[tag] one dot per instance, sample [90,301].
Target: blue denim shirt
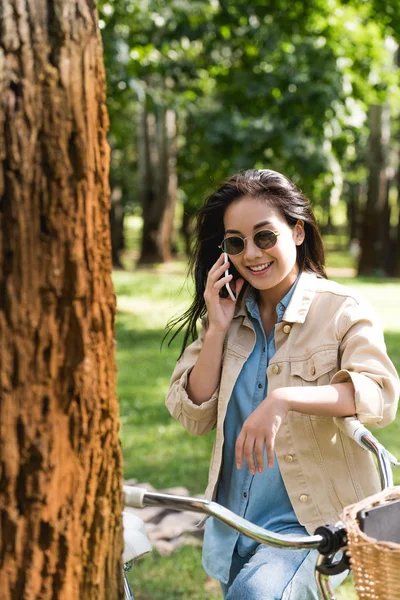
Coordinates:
[260,498]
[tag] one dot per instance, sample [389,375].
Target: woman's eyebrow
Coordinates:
[262,224]
[255,227]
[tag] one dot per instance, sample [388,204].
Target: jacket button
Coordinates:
[304,498]
[287,328]
[275,369]
[312,370]
[288,458]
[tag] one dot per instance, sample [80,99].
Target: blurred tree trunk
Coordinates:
[375,229]
[186,230]
[158,182]
[117,227]
[60,459]
[353,207]
[396,270]
[170,157]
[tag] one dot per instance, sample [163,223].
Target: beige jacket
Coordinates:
[328,335]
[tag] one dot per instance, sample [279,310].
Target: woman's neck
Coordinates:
[269,299]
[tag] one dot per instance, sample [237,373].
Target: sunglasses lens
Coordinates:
[265,239]
[233,245]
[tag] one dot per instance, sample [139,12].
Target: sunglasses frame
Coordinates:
[276,234]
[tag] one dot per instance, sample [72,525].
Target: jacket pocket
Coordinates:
[315,369]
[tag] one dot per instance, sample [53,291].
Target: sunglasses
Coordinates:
[234,244]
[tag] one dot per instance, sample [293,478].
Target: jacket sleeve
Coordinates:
[196,419]
[364,362]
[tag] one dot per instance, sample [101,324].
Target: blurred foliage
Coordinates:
[280,83]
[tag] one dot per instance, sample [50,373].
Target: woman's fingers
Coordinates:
[221,282]
[259,452]
[270,452]
[249,454]
[218,273]
[219,265]
[249,447]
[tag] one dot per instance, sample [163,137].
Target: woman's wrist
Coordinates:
[281,398]
[215,334]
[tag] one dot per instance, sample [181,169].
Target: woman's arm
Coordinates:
[336,400]
[205,375]
[262,426]
[193,392]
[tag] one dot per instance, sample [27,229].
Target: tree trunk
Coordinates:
[396,268]
[158,184]
[60,460]
[353,207]
[374,232]
[187,231]
[150,247]
[117,227]
[167,233]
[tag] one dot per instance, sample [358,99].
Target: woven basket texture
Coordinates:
[375,564]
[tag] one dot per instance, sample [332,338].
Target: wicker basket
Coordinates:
[375,565]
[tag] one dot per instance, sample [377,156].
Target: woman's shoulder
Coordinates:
[327,288]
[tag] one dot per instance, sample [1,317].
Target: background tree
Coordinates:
[279,84]
[60,461]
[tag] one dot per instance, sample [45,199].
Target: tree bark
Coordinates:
[60,459]
[375,226]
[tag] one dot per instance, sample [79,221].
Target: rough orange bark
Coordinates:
[60,460]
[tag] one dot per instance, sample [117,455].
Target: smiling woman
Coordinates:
[270,372]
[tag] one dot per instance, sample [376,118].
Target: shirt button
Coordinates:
[244,494]
[287,328]
[312,370]
[304,498]
[260,386]
[288,458]
[275,369]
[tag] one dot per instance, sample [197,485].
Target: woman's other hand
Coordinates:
[220,311]
[259,431]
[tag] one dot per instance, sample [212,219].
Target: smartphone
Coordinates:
[228,287]
[381,522]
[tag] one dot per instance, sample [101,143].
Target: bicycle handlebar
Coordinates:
[138,497]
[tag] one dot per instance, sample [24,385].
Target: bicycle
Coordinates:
[328,539]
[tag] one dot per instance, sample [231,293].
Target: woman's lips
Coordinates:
[262,271]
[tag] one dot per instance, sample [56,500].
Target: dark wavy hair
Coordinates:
[280,193]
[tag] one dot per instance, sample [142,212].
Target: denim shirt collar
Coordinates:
[304,290]
[252,305]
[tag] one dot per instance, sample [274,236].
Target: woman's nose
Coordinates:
[251,251]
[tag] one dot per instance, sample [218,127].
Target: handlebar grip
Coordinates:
[351,426]
[133,496]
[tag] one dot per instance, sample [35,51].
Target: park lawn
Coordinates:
[156,448]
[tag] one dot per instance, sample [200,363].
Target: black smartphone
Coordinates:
[381,522]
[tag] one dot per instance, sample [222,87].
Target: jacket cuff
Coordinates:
[191,410]
[367,396]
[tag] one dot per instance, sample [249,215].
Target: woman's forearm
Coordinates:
[205,375]
[336,400]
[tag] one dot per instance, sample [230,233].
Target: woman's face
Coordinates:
[246,216]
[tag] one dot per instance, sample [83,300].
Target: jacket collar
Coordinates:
[300,301]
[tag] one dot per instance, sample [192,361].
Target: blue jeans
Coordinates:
[274,574]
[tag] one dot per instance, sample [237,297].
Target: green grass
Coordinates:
[156,448]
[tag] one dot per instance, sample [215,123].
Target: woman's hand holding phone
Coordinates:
[220,310]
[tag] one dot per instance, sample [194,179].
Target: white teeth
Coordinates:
[261,267]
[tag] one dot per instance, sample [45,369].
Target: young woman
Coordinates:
[271,372]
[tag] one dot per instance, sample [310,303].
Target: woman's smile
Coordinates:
[261,269]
